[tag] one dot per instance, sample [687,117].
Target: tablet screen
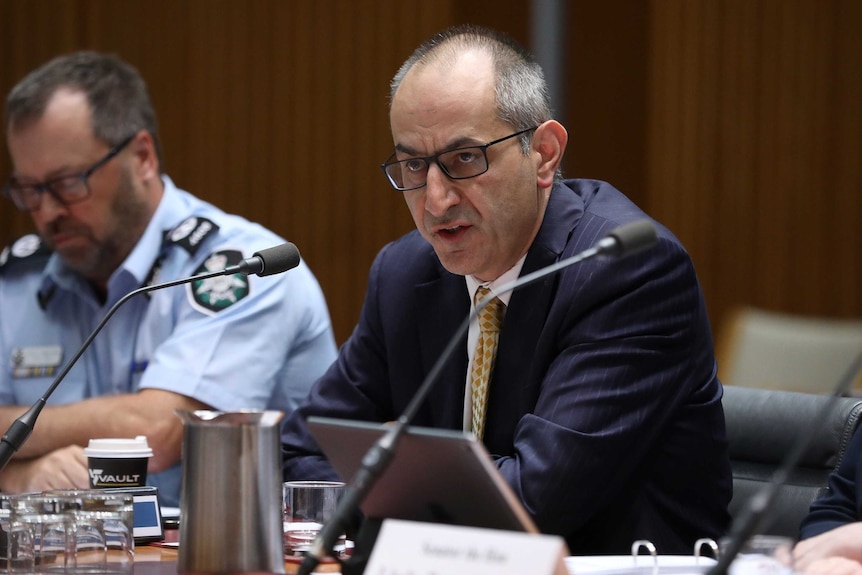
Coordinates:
[436,475]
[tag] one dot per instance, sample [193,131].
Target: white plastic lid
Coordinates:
[121,448]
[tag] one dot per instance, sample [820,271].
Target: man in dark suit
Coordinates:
[604,411]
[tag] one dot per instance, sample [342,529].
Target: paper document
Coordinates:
[642,564]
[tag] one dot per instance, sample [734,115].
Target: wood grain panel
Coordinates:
[606,61]
[735,122]
[754,148]
[846,154]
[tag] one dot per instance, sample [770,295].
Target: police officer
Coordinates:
[82,136]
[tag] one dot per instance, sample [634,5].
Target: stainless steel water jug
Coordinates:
[231,502]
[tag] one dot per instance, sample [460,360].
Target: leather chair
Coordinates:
[763,427]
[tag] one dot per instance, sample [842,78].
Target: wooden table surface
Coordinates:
[161,559]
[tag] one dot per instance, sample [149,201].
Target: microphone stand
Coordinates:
[640,235]
[22,427]
[752,517]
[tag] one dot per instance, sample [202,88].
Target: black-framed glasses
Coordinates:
[457,164]
[65,189]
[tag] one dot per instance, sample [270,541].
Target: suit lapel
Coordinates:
[513,390]
[442,306]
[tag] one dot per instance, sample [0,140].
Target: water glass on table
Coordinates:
[16,547]
[44,532]
[72,531]
[104,528]
[308,505]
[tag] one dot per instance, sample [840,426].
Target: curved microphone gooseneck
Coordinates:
[620,242]
[274,260]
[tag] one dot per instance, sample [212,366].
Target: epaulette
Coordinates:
[191,233]
[29,249]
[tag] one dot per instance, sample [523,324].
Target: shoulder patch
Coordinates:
[212,295]
[25,248]
[191,233]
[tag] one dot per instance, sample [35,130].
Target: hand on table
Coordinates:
[64,468]
[837,551]
[833,566]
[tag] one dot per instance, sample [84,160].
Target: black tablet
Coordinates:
[436,475]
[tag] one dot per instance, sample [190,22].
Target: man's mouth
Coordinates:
[61,238]
[452,233]
[449,231]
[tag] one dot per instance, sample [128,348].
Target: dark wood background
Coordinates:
[736,123]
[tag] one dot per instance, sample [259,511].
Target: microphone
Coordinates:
[270,261]
[621,242]
[753,516]
[274,260]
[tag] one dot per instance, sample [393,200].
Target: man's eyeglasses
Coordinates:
[65,189]
[457,164]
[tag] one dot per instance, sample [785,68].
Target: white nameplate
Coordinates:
[409,547]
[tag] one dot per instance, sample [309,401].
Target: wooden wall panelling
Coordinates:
[797,191]
[606,72]
[731,273]
[846,111]
[753,148]
[776,55]
[681,153]
[343,151]
[745,115]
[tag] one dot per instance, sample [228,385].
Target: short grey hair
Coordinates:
[118,97]
[521,92]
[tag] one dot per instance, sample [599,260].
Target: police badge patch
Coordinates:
[212,295]
[28,248]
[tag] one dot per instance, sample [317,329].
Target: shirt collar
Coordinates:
[149,247]
[511,275]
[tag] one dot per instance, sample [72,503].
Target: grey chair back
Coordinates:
[763,426]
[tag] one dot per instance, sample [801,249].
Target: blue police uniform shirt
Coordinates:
[231,342]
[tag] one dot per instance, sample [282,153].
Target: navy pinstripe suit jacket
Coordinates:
[604,413]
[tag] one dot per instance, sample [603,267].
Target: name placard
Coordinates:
[409,547]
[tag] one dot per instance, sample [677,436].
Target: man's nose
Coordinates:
[440,194]
[49,208]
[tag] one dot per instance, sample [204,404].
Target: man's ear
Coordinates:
[549,140]
[147,160]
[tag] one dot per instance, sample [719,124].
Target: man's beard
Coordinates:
[129,215]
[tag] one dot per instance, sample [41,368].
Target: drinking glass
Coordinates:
[308,505]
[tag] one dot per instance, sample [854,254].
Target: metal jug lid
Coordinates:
[260,417]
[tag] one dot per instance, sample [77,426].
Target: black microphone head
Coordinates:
[629,239]
[278,259]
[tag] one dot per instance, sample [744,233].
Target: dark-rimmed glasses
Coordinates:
[65,189]
[457,164]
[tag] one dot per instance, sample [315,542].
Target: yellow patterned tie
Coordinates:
[490,319]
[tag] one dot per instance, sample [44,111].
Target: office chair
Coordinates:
[763,426]
[758,348]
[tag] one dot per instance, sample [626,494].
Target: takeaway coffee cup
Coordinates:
[118,462]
